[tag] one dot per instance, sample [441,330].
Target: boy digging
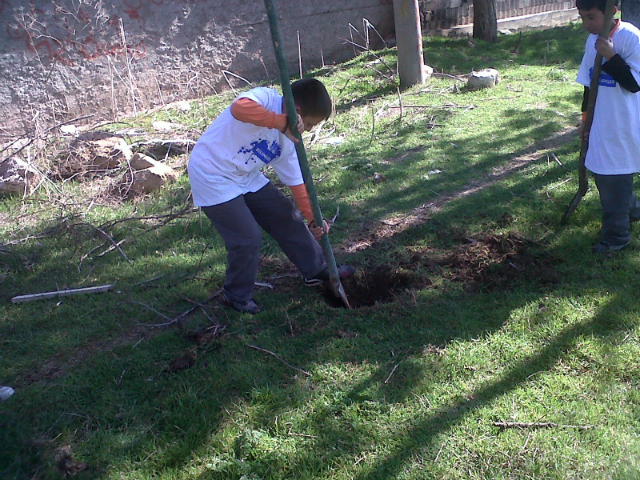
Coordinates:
[226,182]
[613,155]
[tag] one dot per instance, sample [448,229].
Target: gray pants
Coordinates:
[238,221]
[619,203]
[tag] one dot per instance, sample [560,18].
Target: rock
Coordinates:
[161,126]
[486,78]
[427,71]
[183,106]
[137,182]
[17,177]
[70,130]
[141,162]
[378,177]
[94,153]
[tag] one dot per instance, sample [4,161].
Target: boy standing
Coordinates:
[613,155]
[226,182]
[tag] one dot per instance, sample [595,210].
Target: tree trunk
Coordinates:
[409,39]
[485,20]
[631,11]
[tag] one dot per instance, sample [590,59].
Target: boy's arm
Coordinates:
[621,73]
[249,111]
[299,193]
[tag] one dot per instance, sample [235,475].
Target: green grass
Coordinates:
[412,388]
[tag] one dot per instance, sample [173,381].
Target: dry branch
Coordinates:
[283,361]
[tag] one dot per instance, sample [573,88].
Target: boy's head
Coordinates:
[592,14]
[312,101]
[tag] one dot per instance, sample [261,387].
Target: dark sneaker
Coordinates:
[605,247]
[344,271]
[243,307]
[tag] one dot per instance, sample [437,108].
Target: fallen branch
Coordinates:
[523,425]
[283,361]
[171,321]
[114,244]
[70,291]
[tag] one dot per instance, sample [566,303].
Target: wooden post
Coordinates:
[409,38]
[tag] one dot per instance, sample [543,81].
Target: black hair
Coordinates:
[311,96]
[589,4]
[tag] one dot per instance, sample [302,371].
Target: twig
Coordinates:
[335,217]
[368,24]
[299,53]
[373,125]
[169,320]
[560,184]
[522,425]
[393,370]
[126,56]
[225,72]
[113,242]
[283,361]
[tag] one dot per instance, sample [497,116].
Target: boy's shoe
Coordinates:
[344,271]
[249,306]
[605,247]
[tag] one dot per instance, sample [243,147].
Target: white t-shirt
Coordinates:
[226,161]
[614,139]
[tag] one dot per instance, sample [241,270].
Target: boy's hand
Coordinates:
[583,135]
[604,46]
[289,134]
[318,231]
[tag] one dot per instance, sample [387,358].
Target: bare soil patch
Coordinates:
[482,263]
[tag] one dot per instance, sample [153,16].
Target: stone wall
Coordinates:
[63,59]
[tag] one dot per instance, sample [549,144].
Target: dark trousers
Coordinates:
[238,222]
[619,204]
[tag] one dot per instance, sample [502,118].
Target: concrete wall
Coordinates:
[61,59]
[443,14]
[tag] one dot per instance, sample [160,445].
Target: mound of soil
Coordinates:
[482,264]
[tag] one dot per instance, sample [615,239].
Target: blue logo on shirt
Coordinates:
[262,150]
[606,80]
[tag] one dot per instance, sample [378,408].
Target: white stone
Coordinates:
[6,392]
[71,130]
[486,78]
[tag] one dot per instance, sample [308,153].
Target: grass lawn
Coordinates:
[486,342]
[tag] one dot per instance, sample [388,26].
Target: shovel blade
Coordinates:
[338,291]
[572,205]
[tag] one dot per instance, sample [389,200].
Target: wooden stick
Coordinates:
[60,293]
[583,181]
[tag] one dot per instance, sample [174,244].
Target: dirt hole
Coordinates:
[481,263]
[382,285]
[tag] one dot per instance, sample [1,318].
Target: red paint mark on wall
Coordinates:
[133,10]
[74,33]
